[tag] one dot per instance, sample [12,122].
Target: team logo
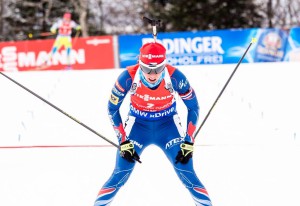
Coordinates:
[139,145]
[183,83]
[114,99]
[153,56]
[147,97]
[133,88]
[117,92]
[174,142]
[119,87]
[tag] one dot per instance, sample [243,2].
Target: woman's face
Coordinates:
[152,78]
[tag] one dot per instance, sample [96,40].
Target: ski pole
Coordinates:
[42,34]
[238,64]
[60,110]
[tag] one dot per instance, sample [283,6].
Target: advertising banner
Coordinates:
[87,53]
[271,45]
[293,46]
[209,47]
[189,48]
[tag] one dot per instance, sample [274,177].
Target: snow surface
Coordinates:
[247,153]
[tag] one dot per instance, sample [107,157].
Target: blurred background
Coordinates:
[193,32]
[18,18]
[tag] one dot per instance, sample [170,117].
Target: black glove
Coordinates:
[127,151]
[185,153]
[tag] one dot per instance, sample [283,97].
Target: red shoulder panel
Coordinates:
[171,69]
[132,70]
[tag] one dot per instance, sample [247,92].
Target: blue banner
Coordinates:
[189,48]
[293,46]
[210,47]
